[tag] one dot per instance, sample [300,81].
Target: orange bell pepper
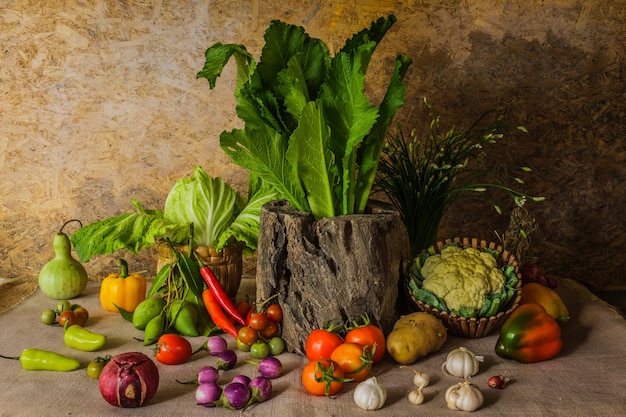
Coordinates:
[529,335]
[122,290]
[548,298]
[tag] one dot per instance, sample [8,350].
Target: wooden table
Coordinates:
[586,379]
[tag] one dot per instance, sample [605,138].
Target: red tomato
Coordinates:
[258,321]
[355,360]
[320,344]
[368,334]
[275,313]
[271,330]
[172,349]
[322,377]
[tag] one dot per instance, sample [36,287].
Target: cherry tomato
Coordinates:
[355,360]
[63,305]
[247,335]
[82,315]
[258,321]
[48,316]
[270,330]
[275,313]
[67,319]
[368,334]
[259,350]
[94,369]
[322,377]
[243,307]
[172,349]
[320,343]
[277,345]
[242,347]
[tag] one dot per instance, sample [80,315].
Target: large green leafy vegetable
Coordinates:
[309,131]
[218,213]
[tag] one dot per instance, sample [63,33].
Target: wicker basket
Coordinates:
[475,327]
[226,265]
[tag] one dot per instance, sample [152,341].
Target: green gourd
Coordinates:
[63,277]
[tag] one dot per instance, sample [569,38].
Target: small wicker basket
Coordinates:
[475,327]
[227,265]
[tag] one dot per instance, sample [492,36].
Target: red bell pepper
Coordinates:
[529,335]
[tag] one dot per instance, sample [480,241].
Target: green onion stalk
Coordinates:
[424,177]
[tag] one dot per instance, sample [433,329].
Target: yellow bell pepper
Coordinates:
[547,298]
[122,290]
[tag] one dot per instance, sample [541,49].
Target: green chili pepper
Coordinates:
[44,360]
[78,337]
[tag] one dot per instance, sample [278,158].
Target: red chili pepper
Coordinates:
[220,294]
[217,314]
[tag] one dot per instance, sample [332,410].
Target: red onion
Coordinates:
[207,393]
[269,367]
[226,360]
[129,380]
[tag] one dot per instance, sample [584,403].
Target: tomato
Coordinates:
[243,307]
[271,330]
[275,313]
[258,321]
[242,347]
[320,343]
[277,345]
[67,319]
[48,316]
[247,335]
[172,349]
[94,369]
[354,359]
[82,315]
[260,350]
[322,377]
[368,334]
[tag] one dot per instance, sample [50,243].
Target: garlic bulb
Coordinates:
[370,394]
[464,396]
[461,363]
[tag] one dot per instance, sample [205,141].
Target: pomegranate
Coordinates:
[129,380]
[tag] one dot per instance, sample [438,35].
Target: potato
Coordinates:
[414,336]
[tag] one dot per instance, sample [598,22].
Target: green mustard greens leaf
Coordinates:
[372,146]
[262,152]
[350,116]
[306,116]
[309,149]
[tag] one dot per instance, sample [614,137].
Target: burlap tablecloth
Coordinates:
[586,379]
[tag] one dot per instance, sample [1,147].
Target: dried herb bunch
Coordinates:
[423,176]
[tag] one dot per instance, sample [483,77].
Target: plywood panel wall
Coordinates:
[99,104]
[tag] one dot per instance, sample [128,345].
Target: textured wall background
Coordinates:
[100,104]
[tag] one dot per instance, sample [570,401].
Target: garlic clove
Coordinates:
[416,396]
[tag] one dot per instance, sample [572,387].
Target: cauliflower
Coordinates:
[462,277]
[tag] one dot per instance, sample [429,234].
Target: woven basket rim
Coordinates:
[474,323]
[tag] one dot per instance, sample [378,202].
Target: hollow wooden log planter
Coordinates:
[332,269]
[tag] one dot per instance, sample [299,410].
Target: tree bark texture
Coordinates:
[332,269]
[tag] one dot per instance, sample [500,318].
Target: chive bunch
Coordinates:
[423,176]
